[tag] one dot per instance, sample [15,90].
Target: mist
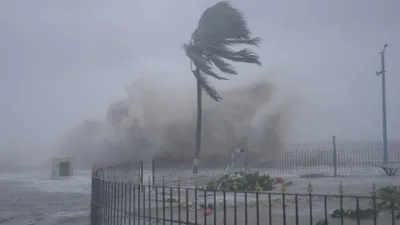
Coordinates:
[155,120]
[65,64]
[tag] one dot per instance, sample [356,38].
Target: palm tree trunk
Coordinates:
[198,126]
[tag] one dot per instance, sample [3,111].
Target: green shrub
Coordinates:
[387,198]
[242,181]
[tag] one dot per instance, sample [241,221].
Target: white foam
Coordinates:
[79,183]
[67,214]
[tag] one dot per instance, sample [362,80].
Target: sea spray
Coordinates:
[155,120]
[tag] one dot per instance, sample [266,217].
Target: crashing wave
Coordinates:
[156,120]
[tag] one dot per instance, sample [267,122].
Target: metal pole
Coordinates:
[384,126]
[334,156]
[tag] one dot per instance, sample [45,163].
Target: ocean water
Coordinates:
[31,197]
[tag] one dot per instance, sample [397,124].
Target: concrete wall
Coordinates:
[55,170]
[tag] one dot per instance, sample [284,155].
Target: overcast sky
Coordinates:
[65,61]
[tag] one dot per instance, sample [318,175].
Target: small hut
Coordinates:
[61,167]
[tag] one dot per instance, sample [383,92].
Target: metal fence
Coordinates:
[117,202]
[326,162]
[172,170]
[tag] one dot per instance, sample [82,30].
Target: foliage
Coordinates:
[242,181]
[220,27]
[388,198]
[354,214]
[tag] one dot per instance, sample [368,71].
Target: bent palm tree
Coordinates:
[220,27]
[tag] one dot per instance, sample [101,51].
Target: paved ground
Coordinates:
[32,198]
[172,212]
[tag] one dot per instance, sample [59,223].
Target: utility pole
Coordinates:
[384,126]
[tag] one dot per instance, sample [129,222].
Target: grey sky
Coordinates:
[65,61]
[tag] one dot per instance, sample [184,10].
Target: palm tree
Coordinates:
[220,27]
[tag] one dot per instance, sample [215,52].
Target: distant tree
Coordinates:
[220,27]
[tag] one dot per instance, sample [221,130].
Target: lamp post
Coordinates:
[384,131]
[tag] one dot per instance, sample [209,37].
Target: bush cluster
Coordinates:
[242,181]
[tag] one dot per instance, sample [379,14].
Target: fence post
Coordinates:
[141,172]
[334,156]
[153,172]
[94,203]
[141,175]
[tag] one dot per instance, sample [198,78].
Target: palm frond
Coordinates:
[245,56]
[220,22]
[253,41]
[221,64]
[206,87]
[220,27]
[201,61]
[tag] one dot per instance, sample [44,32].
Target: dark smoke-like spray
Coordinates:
[156,120]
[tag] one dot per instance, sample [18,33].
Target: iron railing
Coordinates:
[173,170]
[117,202]
[326,162]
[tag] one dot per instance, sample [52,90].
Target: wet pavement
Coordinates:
[33,198]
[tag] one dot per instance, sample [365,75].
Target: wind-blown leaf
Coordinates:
[254,41]
[201,62]
[245,56]
[206,87]
[221,64]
